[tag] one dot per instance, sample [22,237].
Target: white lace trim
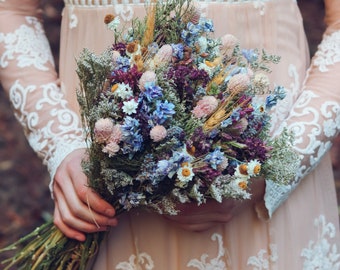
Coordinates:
[52,130]
[28,45]
[96,3]
[328,52]
[139,262]
[314,120]
[264,259]
[321,254]
[214,263]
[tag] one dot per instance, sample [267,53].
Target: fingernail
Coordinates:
[110,212]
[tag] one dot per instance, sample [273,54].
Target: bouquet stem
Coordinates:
[47,248]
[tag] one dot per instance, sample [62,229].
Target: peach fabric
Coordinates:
[303,229]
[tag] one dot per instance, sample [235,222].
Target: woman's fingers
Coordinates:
[78,209]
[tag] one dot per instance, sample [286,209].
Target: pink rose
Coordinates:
[116,135]
[158,133]
[103,130]
[228,45]
[205,106]
[238,83]
[112,148]
[147,77]
[164,55]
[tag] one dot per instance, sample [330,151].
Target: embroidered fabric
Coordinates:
[91,3]
[314,118]
[52,128]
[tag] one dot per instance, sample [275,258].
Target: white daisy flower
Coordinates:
[184,175]
[254,168]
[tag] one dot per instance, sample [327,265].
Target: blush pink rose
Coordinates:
[116,135]
[205,106]
[147,77]
[111,149]
[103,130]
[158,133]
[164,55]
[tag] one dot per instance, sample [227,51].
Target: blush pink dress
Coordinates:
[299,226]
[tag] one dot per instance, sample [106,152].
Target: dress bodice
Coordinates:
[88,3]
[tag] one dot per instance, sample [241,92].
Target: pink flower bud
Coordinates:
[163,55]
[116,135]
[147,77]
[103,130]
[205,106]
[158,133]
[239,82]
[228,44]
[112,148]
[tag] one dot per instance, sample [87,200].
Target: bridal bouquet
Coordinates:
[172,115]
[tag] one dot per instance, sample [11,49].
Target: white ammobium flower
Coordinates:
[113,25]
[122,90]
[130,107]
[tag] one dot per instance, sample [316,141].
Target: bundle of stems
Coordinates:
[47,248]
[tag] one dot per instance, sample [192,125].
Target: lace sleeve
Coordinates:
[315,117]
[28,76]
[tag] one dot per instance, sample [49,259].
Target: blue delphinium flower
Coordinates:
[214,158]
[234,117]
[164,167]
[207,25]
[164,110]
[279,93]
[191,33]
[123,63]
[132,139]
[152,91]
[171,165]
[177,50]
[251,55]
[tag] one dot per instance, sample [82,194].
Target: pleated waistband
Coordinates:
[97,3]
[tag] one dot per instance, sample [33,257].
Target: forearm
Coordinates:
[314,118]
[28,76]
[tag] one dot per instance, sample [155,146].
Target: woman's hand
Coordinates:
[78,209]
[200,218]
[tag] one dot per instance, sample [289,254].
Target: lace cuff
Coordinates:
[314,118]
[52,128]
[62,151]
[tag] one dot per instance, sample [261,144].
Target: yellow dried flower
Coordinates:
[243,169]
[243,185]
[132,47]
[114,87]
[109,18]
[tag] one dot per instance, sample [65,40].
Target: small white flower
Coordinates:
[184,175]
[113,25]
[123,91]
[241,171]
[254,168]
[130,107]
